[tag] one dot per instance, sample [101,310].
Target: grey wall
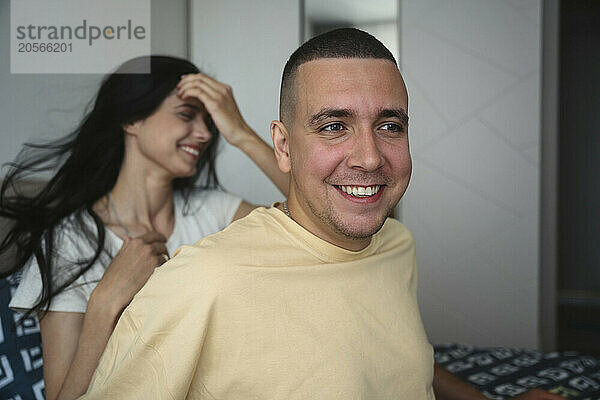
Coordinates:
[473,74]
[41,106]
[249,55]
[472,68]
[36,106]
[169,19]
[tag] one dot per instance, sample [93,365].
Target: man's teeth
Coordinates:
[360,191]
[190,150]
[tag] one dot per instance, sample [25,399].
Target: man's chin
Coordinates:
[358,229]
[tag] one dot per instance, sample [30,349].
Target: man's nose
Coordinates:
[365,153]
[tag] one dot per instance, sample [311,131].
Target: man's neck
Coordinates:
[302,218]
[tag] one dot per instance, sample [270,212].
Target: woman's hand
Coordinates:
[220,104]
[73,342]
[218,99]
[128,272]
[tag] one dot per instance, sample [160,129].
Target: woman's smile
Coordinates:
[192,150]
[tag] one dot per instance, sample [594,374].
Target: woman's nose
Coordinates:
[201,132]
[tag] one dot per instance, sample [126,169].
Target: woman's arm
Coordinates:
[74,342]
[220,104]
[72,346]
[244,209]
[446,386]
[263,156]
[60,334]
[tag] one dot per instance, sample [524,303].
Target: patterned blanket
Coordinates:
[21,376]
[501,373]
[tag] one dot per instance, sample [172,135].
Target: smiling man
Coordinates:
[343,136]
[313,298]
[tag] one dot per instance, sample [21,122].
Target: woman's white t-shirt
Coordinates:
[207,212]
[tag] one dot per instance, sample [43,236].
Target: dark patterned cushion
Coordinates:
[21,375]
[502,373]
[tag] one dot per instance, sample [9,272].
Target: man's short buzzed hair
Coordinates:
[338,43]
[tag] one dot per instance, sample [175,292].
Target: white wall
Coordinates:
[472,71]
[169,22]
[246,45]
[43,106]
[472,68]
[36,106]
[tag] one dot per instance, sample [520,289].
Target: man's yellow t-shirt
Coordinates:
[267,310]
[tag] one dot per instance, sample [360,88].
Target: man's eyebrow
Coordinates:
[394,113]
[327,113]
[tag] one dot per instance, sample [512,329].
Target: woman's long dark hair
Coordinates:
[85,165]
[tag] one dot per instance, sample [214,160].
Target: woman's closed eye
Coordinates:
[187,116]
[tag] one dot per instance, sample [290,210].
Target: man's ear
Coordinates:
[132,129]
[280,136]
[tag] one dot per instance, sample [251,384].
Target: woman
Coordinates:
[127,179]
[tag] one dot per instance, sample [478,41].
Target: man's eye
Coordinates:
[390,127]
[335,127]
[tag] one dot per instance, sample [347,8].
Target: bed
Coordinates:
[502,373]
